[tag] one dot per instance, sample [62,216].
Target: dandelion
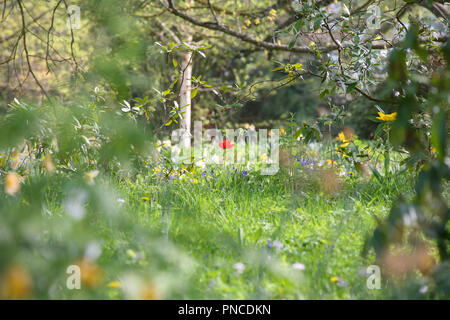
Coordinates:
[145,198]
[239,267]
[387,117]
[334,279]
[12,183]
[114,284]
[298,266]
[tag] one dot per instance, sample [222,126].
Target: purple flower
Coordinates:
[244,173]
[269,244]
[204,173]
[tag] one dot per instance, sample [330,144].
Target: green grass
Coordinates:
[225,219]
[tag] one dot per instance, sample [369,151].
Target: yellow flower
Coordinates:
[115,284]
[351,173]
[247,22]
[12,183]
[334,279]
[345,141]
[312,44]
[15,159]
[15,283]
[156,170]
[91,273]
[257,21]
[145,198]
[331,162]
[89,176]
[273,13]
[387,117]
[149,292]
[263,157]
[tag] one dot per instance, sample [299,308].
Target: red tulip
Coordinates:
[226,144]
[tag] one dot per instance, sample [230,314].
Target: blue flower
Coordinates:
[244,173]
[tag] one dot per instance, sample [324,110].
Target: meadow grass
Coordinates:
[250,236]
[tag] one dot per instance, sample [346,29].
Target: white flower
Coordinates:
[423,289]
[239,267]
[278,245]
[200,164]
[298,266]
[120,200]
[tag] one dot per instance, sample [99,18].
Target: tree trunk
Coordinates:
[185,90]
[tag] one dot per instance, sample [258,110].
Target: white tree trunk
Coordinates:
[185,91]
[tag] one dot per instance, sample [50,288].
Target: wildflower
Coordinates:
[298,266]
[244,174]
[351,173]
[200,164]
[149,292]
[91,273]
[145,198]
[387,117]
[257,21]
[15,283]
[114,284]
[156,170]
[341,137]
[12,183]
[89,176]
[15,159]
[226,144]
[334,279]
[120,200]
[312,44]
[247,22]
[278,245]
[239,267]
[331,162]
[282,131]
[263,157]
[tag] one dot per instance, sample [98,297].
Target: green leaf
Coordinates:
[194,93]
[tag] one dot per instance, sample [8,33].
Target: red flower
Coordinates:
[226,144]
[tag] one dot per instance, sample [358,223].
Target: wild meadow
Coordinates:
[332,185]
